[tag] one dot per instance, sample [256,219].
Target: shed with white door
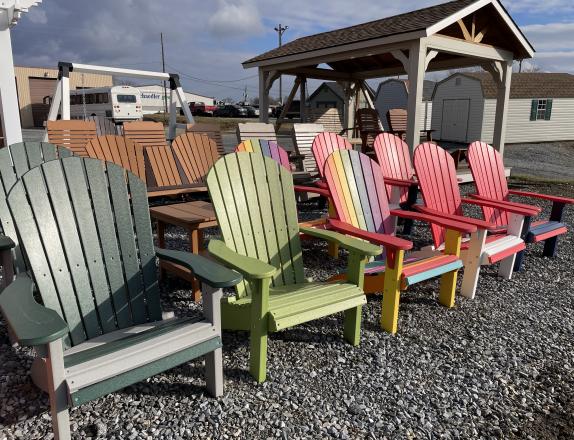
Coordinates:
[540,109]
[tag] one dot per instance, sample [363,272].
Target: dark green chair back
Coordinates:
[256,210]
[16,160]
[85,228]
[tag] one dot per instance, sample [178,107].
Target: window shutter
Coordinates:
[533,109]
[548,110]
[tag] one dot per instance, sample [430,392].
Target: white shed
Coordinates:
[394,93]
[153,98]
[541,108]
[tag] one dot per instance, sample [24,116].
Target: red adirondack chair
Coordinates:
[436,172]
[358,192]
[488,173]
[323,145]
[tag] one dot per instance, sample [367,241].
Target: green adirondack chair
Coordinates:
[14,162]
[85,229]
[255,206]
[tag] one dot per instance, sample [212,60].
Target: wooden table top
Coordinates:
[197,213]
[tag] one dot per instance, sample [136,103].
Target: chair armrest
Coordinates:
[32,323]
[349,243]
[322,184]
[558,199]
[455,225]
[250,268]
[312,189]
[480,224]
[373,237]
[6,243]
[506,202]
[207,271]
[526,211]
[400,182]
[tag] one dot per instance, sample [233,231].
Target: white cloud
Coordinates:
[550,36]
[238,18]
[37,16]
[545,7]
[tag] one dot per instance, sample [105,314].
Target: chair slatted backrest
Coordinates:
[438,183]
[331,119]
[394,157]
[256,130]
[85,228]
[324,144]
[267,148]
[303,137]
[254,202]
[74,135]
[145,133]
[212,131]
[397,119]
[104,126]
[357,187]
[196,154]
[119,150]
[15,161]
[368,124]
[487,170]
[162,167]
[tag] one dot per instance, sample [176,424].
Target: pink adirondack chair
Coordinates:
[436,172]
[488,173]
[357,188]
[323,145]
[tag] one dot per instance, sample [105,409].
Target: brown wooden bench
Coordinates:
[212,131]
[73,135]
[397,119]
[145,133]
[196,154]
[119,150]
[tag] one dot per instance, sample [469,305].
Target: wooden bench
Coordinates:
[212,131]
[73,135]
[145,133]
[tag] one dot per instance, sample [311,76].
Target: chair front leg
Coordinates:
[452,243]
[332,246]
[259,329]
[471,261]
[211,299]
[392,290]
[58,391]
[515,223]
[523,234]
[352,320]
[550,244]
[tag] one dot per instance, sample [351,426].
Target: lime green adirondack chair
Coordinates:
[255,206]
[85,229]
[15,160]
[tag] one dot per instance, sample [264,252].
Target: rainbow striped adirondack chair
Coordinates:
[436,172]
[267,148]
[488,173]
[358,191]
[255,206]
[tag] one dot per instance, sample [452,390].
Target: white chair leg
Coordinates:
[58,391]
[472,263]
[506,267]
[214,372]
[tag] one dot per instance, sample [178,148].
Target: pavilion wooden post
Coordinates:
[502,100]
[263,96]
[416,72]
[303,95]
[350,90]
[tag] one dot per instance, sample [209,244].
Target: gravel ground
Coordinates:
[499,366]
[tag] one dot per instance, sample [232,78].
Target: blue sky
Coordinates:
[206,41]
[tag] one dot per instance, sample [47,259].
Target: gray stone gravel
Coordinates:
[499,366]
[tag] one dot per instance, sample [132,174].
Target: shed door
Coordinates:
[455,120]
[41,94]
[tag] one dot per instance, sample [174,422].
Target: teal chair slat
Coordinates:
[78,270]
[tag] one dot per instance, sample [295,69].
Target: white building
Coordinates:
[393,93]
[541,108]
[152,97]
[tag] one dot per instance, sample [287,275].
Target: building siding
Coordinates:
[393,94]
[468,88]
[23,75]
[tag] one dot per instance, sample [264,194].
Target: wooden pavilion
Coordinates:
[456,34]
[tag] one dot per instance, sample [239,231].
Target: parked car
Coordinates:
[231,111]
[252,112]
[200,109]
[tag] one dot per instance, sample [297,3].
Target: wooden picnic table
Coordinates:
[193,217]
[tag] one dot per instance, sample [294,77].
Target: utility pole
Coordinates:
[163,70]
[280,30]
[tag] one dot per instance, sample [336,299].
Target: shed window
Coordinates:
[541,109]
[458,81]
